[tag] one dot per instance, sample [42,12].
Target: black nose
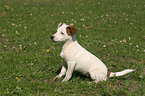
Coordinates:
[52,37]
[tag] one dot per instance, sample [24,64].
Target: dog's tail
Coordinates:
[112,74]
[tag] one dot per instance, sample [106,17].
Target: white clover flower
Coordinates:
[129,38]
[104,45]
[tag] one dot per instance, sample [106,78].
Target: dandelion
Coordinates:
[47,50]
[17,78]
[4,92]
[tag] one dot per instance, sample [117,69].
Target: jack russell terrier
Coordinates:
[75,57]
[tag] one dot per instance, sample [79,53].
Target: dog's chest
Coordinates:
[61,54]
[65,54]
[68,54]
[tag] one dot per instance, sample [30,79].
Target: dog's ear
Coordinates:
[71,30]
[60,24]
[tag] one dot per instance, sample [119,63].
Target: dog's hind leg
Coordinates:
[97,76]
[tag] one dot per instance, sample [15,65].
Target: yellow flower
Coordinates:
[47,50]
[4,92]
[17,78]
[0,27]
[110,85]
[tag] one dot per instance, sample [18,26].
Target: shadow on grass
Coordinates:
[76,74]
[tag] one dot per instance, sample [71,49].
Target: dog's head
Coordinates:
[64,32]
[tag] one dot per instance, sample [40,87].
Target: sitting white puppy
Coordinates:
[75,57]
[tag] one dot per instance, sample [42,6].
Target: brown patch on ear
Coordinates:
[71,30]
[108,73]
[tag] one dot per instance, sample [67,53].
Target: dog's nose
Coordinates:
[52,37]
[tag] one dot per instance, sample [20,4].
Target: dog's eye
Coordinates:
[62,33]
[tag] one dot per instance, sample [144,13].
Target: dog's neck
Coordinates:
[68,42]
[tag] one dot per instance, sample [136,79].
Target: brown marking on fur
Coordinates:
[108,73]
[71,30]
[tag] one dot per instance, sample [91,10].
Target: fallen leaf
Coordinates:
[124,40]
[13,24]
[3,35]
[32,64]
[17,32]
[71,24]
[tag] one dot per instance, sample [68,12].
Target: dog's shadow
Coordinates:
[75,74]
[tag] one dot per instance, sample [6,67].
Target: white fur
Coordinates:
[75,57]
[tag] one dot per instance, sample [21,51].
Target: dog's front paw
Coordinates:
[64,80]
[57,78]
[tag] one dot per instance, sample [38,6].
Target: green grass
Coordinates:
[30,23]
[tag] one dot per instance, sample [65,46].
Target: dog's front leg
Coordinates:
[69,72]
[63,70]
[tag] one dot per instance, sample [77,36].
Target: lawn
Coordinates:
[113,30]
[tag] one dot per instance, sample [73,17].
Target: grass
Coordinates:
[113,30]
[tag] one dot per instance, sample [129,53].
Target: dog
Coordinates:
[75,57]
